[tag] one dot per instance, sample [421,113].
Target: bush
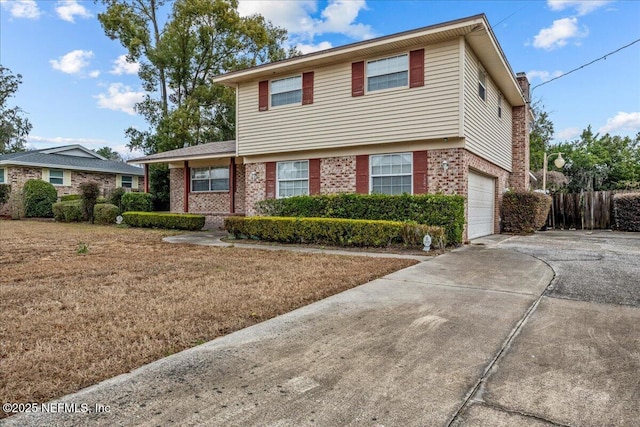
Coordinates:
[89,192]
[446,211]
[38,197]
[138,202]
[524,212]
[115,198]
[189,222]
[70,211]
[101,200]
[70,197]
[106,213]
[334,231]
[626,211]
[5,192]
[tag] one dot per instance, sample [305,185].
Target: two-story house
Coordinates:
[433,110]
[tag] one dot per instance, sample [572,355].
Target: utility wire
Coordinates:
[585,65]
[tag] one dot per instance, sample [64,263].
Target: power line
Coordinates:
[586,65]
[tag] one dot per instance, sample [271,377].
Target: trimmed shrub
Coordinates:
[70,211]
[174,221]
[115,198]
[626,211]
[137,202]
[89,192]
[5,192]
[38,197]
[524,212]
[334,231]
[106,213]
[101,200]
[446,211]
[69,197]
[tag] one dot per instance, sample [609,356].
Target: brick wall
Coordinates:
[255,184]
[520,142]
[176,190]
[338,175]
[453,180]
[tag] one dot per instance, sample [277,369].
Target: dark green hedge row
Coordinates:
[445,211]
[334,231]
[5,192]
[626,211]
[163,220]
[69,211]
[70,197]
[524,212]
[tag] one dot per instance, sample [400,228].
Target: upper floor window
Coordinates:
[56,176]
[2,179]
[292,178]
[126,181]
[500,106]
[391,173]
[210,179]
[286,91]
[388,73]
[482,85]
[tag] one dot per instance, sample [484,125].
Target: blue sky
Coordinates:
[77,88]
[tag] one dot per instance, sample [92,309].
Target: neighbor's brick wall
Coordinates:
[176,190]
[16,177]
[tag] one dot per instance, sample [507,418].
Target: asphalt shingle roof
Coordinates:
[39,159]
[221,148]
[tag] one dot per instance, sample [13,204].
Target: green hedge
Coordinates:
[70,211]
[5,192]
[446,211]
[70,197]
[164,220]
[137,202]
[334,231]
[524,212]
[105,213]
[38,197]
[626,211]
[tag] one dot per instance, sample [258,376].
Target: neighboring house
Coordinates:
[432,110]
[66,168]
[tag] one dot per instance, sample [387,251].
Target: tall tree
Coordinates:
[14,128]
[109,154]
[540,136]
[179,54]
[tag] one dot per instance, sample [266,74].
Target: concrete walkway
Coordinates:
[409,349]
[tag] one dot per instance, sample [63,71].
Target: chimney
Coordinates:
[519,180]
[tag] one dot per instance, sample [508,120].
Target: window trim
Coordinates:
[209,190]
[294,179]
[366,73]
[371,175]
[61,178]
[271,91]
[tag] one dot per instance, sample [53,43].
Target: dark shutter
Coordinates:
[307,88]
[357,78]
[263,95]
[362,174]
[419,172]
[314,176]
[270,180]
[416,68]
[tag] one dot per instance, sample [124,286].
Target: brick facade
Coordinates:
[520,140]
[256,182]
[338,175]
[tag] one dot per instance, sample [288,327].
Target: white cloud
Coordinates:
[339,17]
[542,75]
[308,48]
[22,8]
[583,7]
[73,62]
[622,122]
[65,141]
[559,33]
[121,66]
[567,134]
[69,9]
[120,98]
[94,73]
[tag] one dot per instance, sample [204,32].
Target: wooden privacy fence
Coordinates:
[586,210]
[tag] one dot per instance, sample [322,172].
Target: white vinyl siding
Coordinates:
[292,178]
[337,120]
[286,91]
[387,73]
[391,173]
[486,134]
[210,179]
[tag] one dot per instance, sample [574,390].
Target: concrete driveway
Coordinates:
[484,335]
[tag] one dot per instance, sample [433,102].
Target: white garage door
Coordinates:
[480,205]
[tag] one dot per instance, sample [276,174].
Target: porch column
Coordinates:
[146,177]
[232,185]
[187,186]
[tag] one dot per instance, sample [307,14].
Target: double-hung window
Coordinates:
[56,176]
[391,173]
[482,85]
[292,178]
[388,73]
[210,179]
[2,178]
[126,181]
[500,106]
[286,91]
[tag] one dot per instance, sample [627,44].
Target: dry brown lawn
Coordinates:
[69,320]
